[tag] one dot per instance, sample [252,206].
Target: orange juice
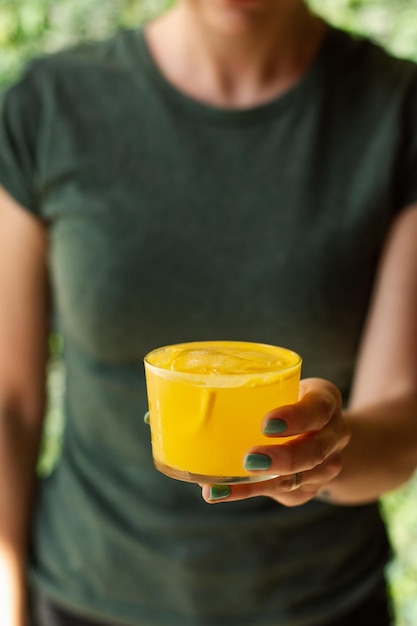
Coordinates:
[206,404]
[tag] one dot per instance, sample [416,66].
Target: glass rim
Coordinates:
[204,378]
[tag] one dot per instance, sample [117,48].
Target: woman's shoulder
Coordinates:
[85,58]
[360,55]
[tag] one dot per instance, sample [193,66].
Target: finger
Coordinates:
[307,486]
[319,401]
[290,490]
[300,454]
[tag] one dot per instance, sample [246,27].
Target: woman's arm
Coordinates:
[23,356]
[353,456]
[382,415]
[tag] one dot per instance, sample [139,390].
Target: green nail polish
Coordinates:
[275,427]
[217,492]
[257,462]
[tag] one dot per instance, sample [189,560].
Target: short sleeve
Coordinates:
[20,127]
[406,188]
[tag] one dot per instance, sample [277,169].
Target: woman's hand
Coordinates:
[302,465]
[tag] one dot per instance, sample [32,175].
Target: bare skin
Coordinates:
[23,347]
[232,53]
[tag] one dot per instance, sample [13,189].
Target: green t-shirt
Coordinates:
[169,221]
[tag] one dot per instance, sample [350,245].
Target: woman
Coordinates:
[237,169]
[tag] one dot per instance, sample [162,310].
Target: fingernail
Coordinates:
[275,427]
[146,418]
[257,462]
[217,492]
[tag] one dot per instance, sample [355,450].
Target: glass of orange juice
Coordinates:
[206,404]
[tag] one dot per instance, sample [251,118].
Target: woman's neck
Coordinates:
[235,58]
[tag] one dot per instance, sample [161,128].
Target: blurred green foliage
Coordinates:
[32,27]
[392,23]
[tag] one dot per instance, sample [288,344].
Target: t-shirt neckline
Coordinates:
[220,114]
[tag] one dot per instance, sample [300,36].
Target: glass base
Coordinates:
[204,479]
